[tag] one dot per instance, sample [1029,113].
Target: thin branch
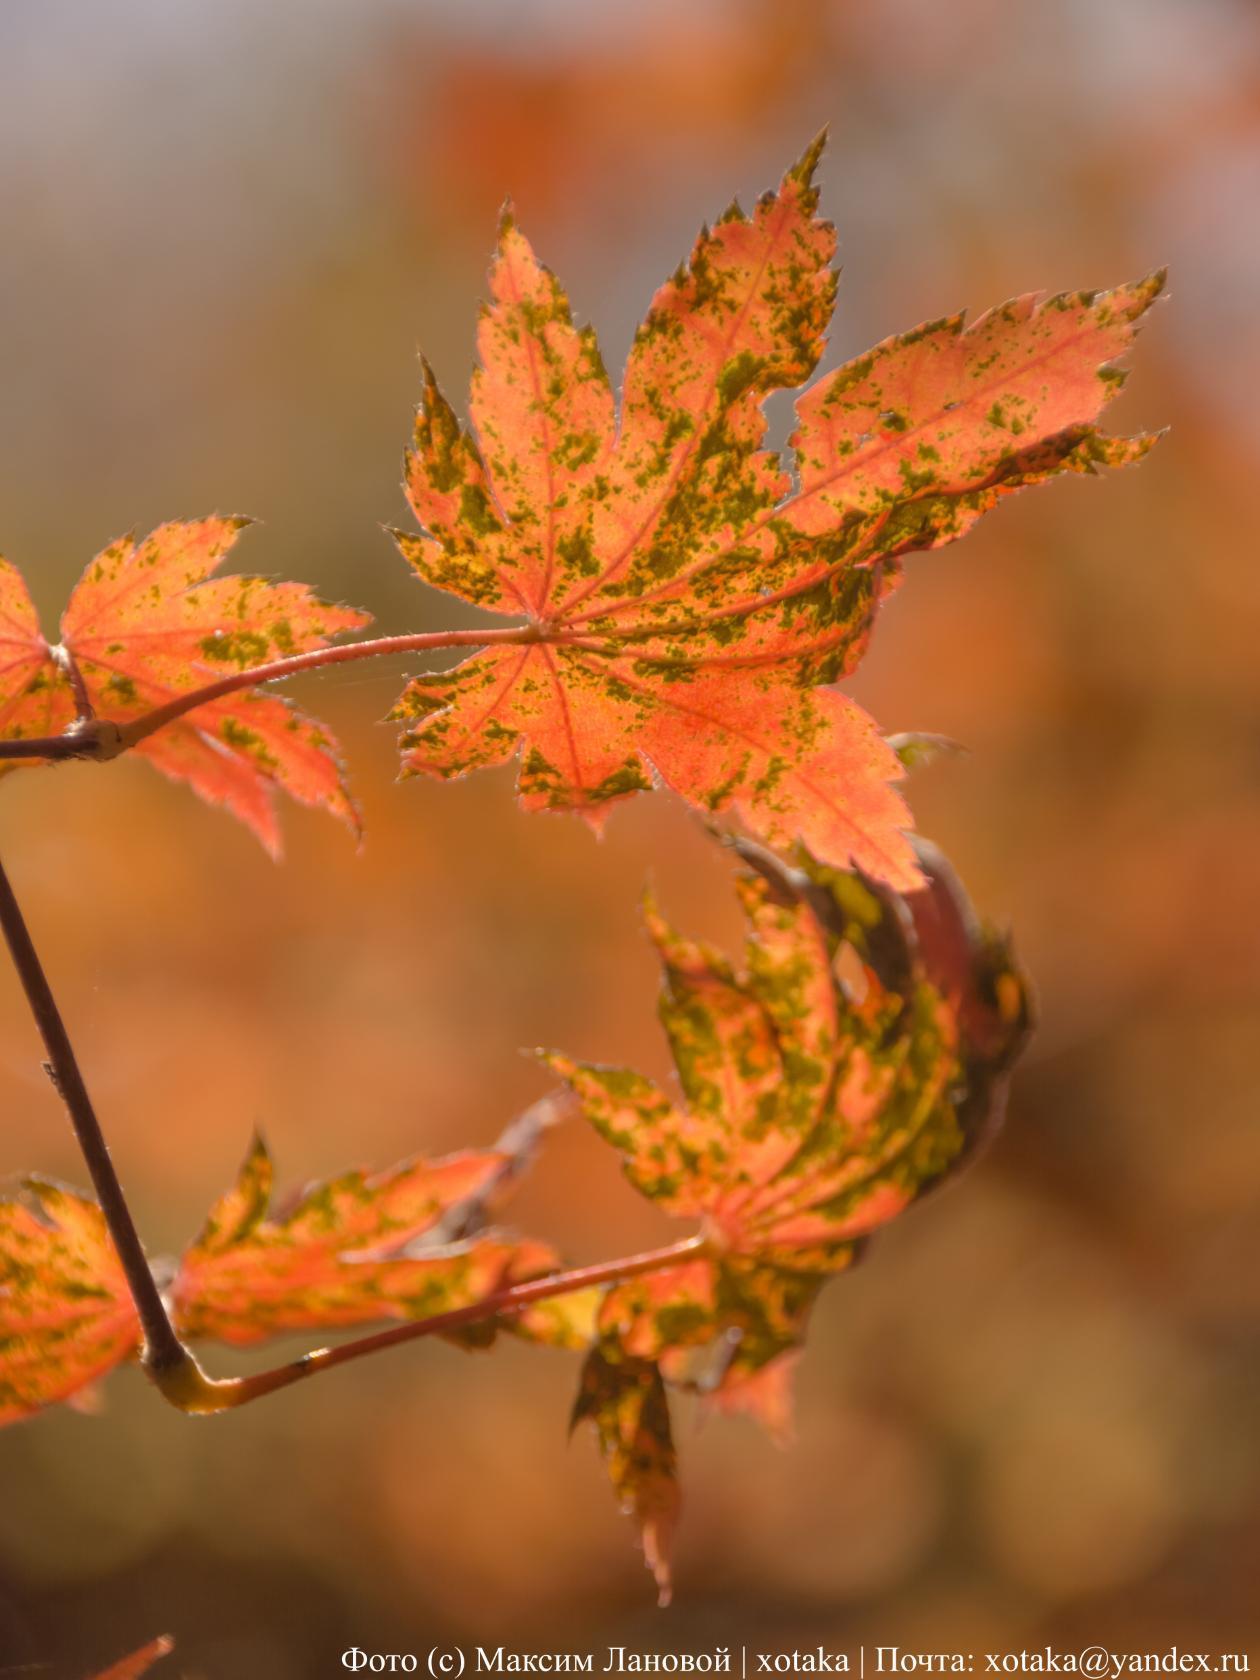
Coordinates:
[189,1389]
[95,738]
[163,1349]
[167,1361]
[103,738]
[342,654]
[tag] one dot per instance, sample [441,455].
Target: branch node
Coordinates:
[179,1379]
[101,739]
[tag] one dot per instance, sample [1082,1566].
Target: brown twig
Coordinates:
[166,1360]
[163,1349]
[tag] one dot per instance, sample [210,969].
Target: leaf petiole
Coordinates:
[190,1390]
[99,738]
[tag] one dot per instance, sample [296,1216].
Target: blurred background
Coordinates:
[1031,1417]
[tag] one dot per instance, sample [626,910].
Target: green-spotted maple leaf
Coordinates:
[692,602]
[849,1065]
[66,1318]
[138,1662]
[409,1242]
[149,621]
[625,1401]
[351,1250]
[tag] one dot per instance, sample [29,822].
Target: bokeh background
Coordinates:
[1031,1417]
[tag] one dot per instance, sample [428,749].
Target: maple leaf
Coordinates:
[410,1242]
[815,1108]
[625,1400]
[353,1249]
[66,1317]
[148,621]
[567,1321]
[692,606]
[139,1662]
[563,1321]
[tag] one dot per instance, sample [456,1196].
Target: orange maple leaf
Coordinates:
[66,1317]
[356,1248]
[147,622]
[691,605]
[410,1242]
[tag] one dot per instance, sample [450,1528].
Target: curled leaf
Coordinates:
[853,1060]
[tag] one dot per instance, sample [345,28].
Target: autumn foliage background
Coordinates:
[1031,1417]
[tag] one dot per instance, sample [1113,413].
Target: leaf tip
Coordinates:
[1155,283]
[595,817]
[802,171]
[1132,302]
[657,1560]
[659,931]
[555,1060]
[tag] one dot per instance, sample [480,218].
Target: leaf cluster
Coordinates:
[678,604]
